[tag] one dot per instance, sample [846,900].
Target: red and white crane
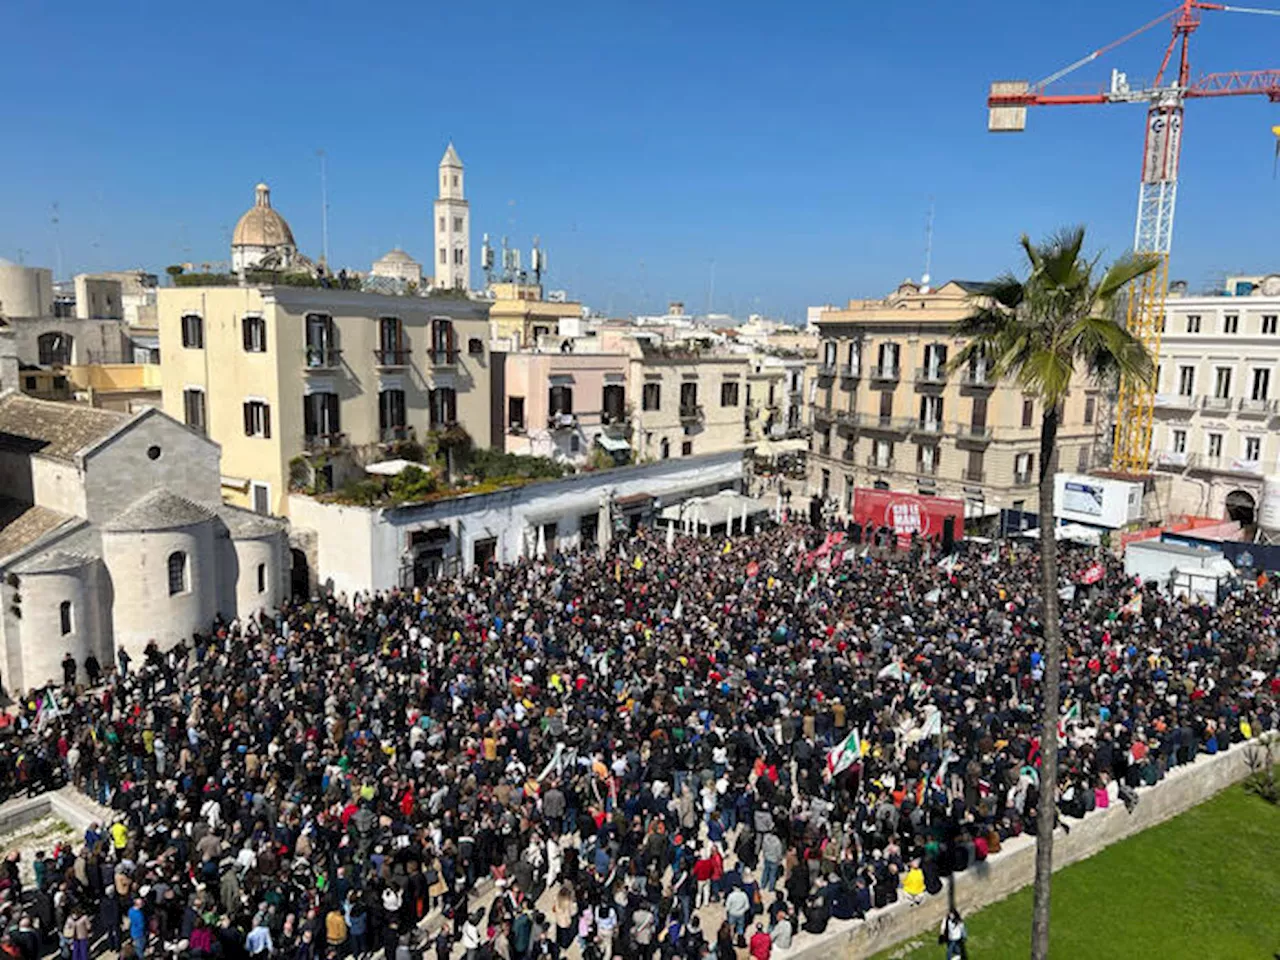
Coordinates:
[1157,194]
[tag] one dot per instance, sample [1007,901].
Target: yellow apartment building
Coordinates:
[888,412]
[519,315]
[309,384]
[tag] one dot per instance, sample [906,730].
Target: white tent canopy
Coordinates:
[1072,532]
[726,508]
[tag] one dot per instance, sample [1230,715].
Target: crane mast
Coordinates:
[1157,191]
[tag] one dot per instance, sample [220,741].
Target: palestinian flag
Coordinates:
[844,755]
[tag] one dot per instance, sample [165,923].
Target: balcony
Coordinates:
[927,469]
[973,475]
[316,442]
[323,358]
[1222,404]
[1023,478]
[847,418]
[850,371]
[391,358]
[931,376]
[395,434]
[1175,401]
[1232,465]
[885,374]
[847,456]
[973,432]
[879,463]
[820,414]
[562,421]
[826,370]
[886,423]
[691,413]
[1171,459]
[616,427]
[443,358]
[1257,408]
[931,427]
[978,377]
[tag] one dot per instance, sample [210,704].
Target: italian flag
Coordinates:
[844,755]
[1071,715]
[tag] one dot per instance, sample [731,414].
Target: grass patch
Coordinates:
[1203,885]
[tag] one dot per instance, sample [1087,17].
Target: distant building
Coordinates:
[519,315]
[113,534]
[311,383]
[888,410]
[262,238]
[452,226]
[398,265]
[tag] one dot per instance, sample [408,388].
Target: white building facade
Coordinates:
[1216,408]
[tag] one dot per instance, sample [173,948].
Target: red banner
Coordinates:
[1093,574]
[908,513]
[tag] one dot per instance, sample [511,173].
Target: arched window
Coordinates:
[64,616]
[177,573]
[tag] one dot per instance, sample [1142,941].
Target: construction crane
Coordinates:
[1153,234]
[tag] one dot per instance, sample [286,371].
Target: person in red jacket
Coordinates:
[761,944]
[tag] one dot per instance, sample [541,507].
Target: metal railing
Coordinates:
[879,463]
[324,441]
[977,377]
[973,475]
[888,373]
[398,357]
[444,358]
[691,411]
[934,375]
[322,358]
[849,371]
[933,427]
[1022,478]
[826,369]
[394,434]
[561,421]
[1175,401]
[1237,465]
[1248,405]
[1216,403]
[972,431]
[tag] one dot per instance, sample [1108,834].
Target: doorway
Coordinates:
[299,575]
[1241,507]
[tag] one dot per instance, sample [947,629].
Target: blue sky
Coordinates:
[790,149]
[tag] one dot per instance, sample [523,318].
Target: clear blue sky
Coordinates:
[796,146]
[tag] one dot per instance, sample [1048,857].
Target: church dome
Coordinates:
[397,255]
[261,226]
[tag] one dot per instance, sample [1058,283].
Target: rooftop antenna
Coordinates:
[928,249]
[486,260]
[54,219]
[711,289]
[324,207]
[537,261]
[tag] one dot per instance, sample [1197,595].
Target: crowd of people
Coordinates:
[623,754]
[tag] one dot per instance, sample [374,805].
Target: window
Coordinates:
[1193,323]
[1022,465]
[444,255]
[1231,323]
[1186,381]
[975,472]
[1028,411]
[192,332]
[54,349]
[457,224]
[1222,383]
[391,343]
[177,573]
[826,484]
[888,365]
[688,397]
[475,347]
[261,498]
[686,448]
[320,416]
[455,179]
[257,419]
[560,400]
[321,345]
[935,360]
[1261,388]
[613,403]
[64,617]
[515,413]
[651,396]
[927,459]
[444,407]
[829,353]
[254,332]
[457,256]
[1269,323]
[441,222]
[886,408]
[444,344]
[193,412]
[1178,441]
[1252,449]
[262,578]
[883,455]
[391,419]
[729,393]
[665,449]
[1215,445]
[1089,404]
[931,414]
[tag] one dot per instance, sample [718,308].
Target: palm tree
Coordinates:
[1038,332]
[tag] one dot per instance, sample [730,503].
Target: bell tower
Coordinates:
[452,258]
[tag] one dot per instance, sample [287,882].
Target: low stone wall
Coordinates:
[68,805]
[1013,867]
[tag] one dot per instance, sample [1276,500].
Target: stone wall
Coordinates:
[1014,866]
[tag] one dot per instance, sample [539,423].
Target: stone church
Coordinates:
[113,533]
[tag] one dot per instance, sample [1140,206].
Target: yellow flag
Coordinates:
[727,547]
[1246,729]
[638,563]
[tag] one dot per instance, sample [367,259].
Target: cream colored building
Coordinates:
[888,412]
[312,383]
[687,400]
[1218,401]
[519,315]
[113,534]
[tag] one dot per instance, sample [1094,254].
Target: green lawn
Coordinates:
[1205,885]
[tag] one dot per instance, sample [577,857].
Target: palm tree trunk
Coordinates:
[1047,808]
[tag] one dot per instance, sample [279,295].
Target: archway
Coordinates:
[1241,507]
[299,575]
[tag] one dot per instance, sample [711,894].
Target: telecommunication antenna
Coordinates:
[55,219]
[324,207]
[486,260]
[928,249]
[537,261]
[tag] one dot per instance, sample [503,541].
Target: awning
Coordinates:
[612,444]
[720,509]
[776,448]
[633,500]
[391,468]
[976,510]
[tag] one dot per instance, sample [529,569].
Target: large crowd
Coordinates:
[622,754]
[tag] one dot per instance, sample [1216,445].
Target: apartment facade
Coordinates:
[309,384]
[1216,407]
[566,405]
[687,400]
[775,400]
[889,412]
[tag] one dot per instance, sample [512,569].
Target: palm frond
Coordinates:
[1125,270]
